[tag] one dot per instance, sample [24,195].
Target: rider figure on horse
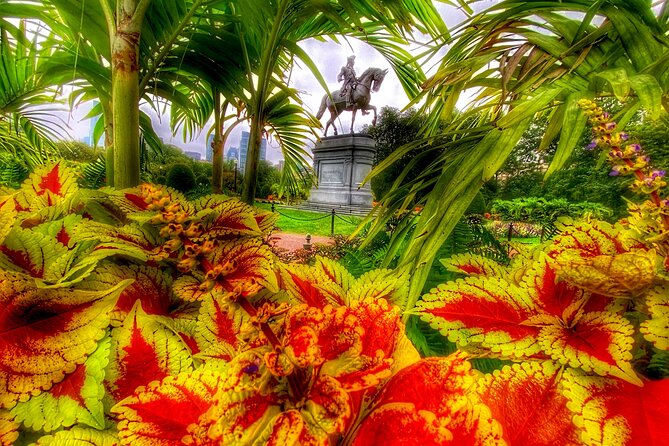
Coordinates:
[347,74]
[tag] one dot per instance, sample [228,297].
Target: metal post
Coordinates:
[332,223]
[510,234]
[272,206]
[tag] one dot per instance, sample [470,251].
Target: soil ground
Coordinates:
[292,242]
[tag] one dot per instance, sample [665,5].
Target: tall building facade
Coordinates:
[244,148]
[233,154]
[209,150]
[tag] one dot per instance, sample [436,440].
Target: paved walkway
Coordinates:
[291,242]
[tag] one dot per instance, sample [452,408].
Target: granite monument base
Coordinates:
[341,163]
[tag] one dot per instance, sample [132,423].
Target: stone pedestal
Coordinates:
[341,163]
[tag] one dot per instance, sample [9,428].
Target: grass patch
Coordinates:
[297,221]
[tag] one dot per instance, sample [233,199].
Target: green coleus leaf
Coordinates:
[75,399]
[7,216]
[79,436]
[46,334]
[143,350]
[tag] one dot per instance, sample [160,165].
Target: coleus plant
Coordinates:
[139,317]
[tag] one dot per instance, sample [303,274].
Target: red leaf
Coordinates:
[526,401]
[167,412]
[612,411]
[50,181]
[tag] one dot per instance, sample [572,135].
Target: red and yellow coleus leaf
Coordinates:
[46,333]
[266,221]
[598,342]
[472,265]
[309,285]
[79,436]
[144,350]
[31,252]
[169,412]
[150,197]
[226,217]
[47,186]
[489,312]
[129,240]
[526,400]
[601,258]
[380,284]
[611,412]
[220,329]
[656,329]
[540,317]
[151,287]
[430,402]
[75,399]
[247,264]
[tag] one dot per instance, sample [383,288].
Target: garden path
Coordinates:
[293,242]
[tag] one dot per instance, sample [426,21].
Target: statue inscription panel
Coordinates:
[331,173]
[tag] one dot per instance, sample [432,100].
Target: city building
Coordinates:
[233,154]
[209,150]
[197,156]
[244,147]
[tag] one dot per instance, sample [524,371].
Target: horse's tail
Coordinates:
[322,108]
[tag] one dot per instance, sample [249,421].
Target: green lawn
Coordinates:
[304,222]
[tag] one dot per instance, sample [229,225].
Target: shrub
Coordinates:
[180,177]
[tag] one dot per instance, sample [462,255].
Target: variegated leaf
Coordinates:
[601,258]
[472,265]
[489,312]
[143,350]
[75,399]
[551,296]
[430,402]
[79,436]
[612,412]
[46,334]
[596,342]
[526,400]
[47,186]
[309,285]
[246,264]
[226,218]
[335,271]
[151,287]
[30,252]
[328,407]
[219,329]
[656,329]
[378,284]
[168,412]
[266,221]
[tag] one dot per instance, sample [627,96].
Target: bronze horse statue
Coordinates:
[369,81]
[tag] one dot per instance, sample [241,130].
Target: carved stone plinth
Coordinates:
[341,163]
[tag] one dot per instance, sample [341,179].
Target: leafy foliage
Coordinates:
[139,317]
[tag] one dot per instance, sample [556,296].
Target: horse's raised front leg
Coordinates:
[373,108]
[355,110]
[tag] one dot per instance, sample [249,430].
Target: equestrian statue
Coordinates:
[354,94]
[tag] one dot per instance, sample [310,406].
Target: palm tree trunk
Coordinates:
[217,145]
[125,104]
[125,91]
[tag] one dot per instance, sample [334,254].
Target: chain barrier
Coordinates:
[332,216]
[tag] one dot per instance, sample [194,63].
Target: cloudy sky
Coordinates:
[329,57]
